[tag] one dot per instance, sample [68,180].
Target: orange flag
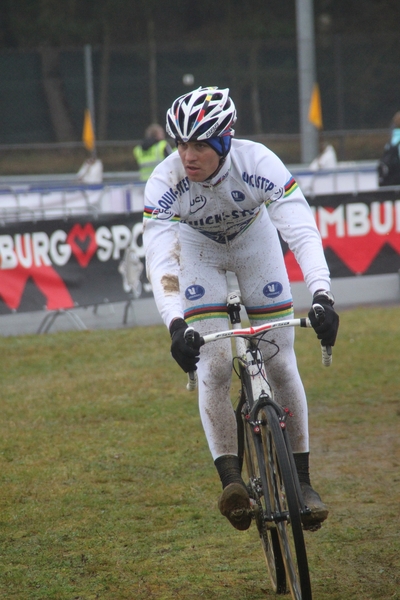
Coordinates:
[315,112]
[88,133]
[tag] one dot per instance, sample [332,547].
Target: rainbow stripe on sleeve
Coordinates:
[149,212]
[290,187]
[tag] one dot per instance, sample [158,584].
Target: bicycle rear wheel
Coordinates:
[285,506]
[254,474]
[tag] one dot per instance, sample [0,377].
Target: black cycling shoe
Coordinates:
[318,511]
[234,504]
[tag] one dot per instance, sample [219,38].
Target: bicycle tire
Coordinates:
[253,464]
[284,499]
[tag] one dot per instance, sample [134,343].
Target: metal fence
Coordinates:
[43,91]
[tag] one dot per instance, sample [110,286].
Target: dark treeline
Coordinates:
[32,23]
[142,49]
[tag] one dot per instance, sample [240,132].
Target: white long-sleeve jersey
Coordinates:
[252,178]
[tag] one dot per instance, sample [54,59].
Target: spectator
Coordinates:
[153,149]
[91,171]
[389,164]
[326,160]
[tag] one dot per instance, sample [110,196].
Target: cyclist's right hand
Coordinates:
[186,356]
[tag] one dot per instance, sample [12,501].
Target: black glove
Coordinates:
[327,329]
[186,356]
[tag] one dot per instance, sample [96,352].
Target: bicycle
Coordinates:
[265,454]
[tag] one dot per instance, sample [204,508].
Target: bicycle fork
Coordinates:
[251,416]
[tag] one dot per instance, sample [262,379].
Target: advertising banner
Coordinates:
[61,264]
[90,260]
[360,233]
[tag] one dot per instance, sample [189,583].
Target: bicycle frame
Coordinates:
[263,422]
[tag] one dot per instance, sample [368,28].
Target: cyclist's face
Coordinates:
[199,160]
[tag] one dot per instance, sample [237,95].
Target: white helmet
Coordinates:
[205,113]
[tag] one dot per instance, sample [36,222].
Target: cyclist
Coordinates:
[216,206]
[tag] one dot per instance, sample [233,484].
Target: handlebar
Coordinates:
[326,351]
[248,332]
[192,381]
[192,375]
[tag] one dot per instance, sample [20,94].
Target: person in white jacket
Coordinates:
[213,207]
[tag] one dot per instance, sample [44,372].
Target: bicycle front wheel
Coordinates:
[285,507]
[254,472]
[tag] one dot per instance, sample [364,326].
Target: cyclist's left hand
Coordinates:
[327,330]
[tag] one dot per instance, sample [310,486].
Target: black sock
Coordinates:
[302,461]
[228,469]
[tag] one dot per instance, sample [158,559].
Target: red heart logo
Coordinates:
[83,242]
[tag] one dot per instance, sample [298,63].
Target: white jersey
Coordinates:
[253,179]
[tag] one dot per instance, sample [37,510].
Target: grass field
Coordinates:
[108,490]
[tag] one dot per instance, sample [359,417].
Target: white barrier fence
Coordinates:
[39,199]
[54,200]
